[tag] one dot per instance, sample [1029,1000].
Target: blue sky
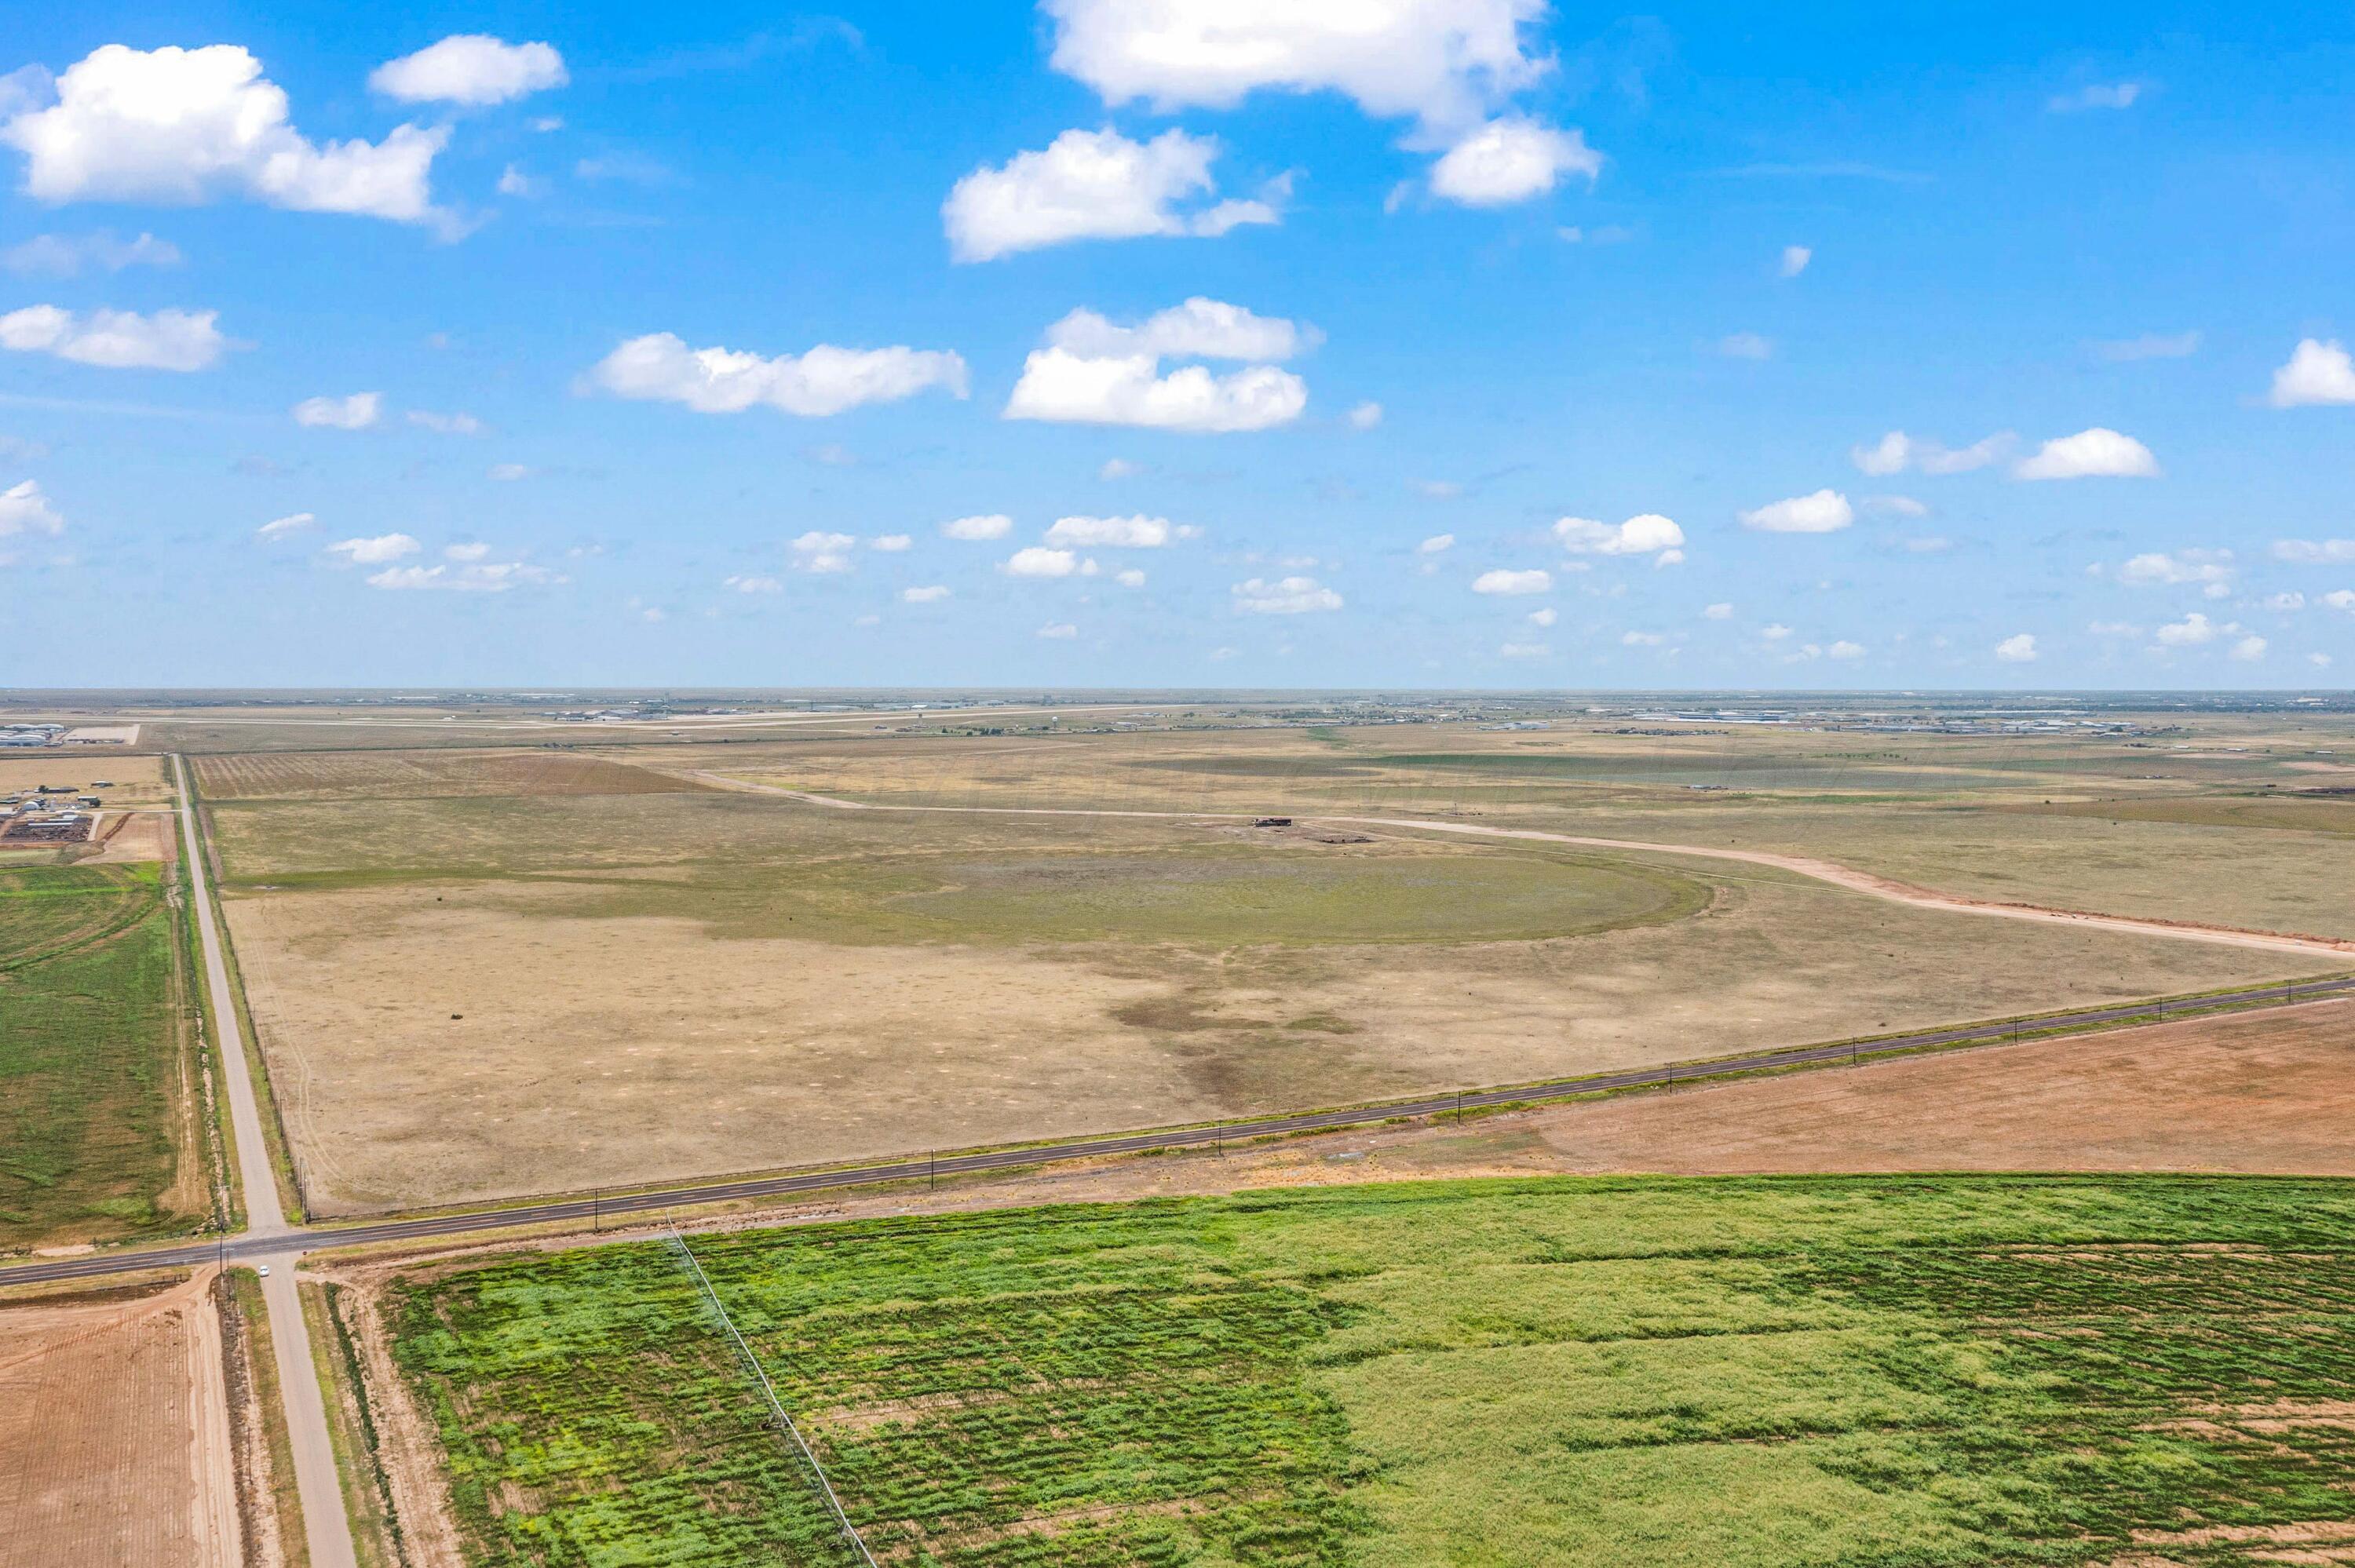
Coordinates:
[1291,342]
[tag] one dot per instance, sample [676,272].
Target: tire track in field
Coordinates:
[1832,872]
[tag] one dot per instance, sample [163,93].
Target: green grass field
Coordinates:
[1658,1372]
[89,1042]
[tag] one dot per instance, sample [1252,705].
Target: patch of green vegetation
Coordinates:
[1917,1372]
[90,1032]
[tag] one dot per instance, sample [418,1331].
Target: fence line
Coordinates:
[769,1392]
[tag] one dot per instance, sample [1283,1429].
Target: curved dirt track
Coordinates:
[1825,871]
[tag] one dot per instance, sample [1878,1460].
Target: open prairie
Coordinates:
[488,974]
[1660,1371]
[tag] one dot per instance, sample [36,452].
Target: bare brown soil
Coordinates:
[114,1435]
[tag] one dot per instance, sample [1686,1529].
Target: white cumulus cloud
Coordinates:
[929,593]
[821,551]
[470,69]
[826,380]
[476,576]
[357,412]
[1508,160]
[2249,650]
[117,340]
[1037,561]
[2192,631]
[2208,569]
[2018,649]
[186,125]
[1285,596]
[988,526]
[1795,259]
[1535,580]
[1061,386]
[2318,372]
[1649,533]
[375,551]
[24,509]
[1138,533]
[2097,453]
[1365,415]
[1824,512]
[1438,60]
[1845,650]
[891,544]
[1096,185]
[1720,611]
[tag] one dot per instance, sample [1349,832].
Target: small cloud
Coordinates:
[2249,650]
[1435,489]
[2192,631]
[65,255]
[1037,561]
[278,527]
[25,510]
[989,525]
[2019,649]
[822,552]
[1796,259]
[833,454]
[1647,533]
[1059,630]
[471,70]
[359,411]
[1365,415]
[2097,453]
[1824,512]
[2318,373]
[1926,545]
[1511,160]
[1118,468]
[1897,451]
[1846,650]
[1745,346]
[1545,616]
[1775,634]
[1136,532]
[1641,640]
[473,551]
[1535,580]
[2285,603]
[1525,651]
[374,551]
[1286,596]
[2149,346]
[754,585]
[1718,612]
[508,472]
[1438,543]
[2319,661]
[1131,577]
[2097,95]
[117,340]
[1895,506]
[2209,569]
[2316,552]
[930,593]
[890,544]
[514,182]
[446,424]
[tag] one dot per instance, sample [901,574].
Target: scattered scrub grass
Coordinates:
[1914,1372]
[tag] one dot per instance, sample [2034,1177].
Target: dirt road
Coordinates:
[324,1524]
[1824,870]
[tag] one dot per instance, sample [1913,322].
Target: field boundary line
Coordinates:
[769,1392]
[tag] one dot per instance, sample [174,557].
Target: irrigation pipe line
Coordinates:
[769,1391]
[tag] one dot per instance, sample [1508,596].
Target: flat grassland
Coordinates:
[98,1135]
[1604,1373]
[486,974]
